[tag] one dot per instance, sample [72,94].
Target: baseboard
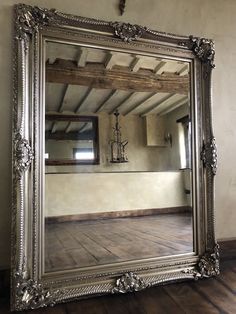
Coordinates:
[227,249]
[118,214]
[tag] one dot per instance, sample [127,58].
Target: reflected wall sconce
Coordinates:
[168,139]
[118,146]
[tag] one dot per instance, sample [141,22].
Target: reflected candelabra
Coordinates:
[117,145]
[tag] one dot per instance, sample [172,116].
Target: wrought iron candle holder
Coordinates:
[116,144]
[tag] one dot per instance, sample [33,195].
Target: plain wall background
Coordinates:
[212,19]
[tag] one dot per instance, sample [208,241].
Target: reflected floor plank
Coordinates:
[89,243]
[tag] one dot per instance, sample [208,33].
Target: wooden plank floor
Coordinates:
[97,242]
[208,296]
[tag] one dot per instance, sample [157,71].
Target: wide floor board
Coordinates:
[97,242]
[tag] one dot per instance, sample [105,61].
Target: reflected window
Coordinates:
[184,127]
[83,153]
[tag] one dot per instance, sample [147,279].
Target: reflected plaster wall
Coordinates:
[141,157]
[106,192]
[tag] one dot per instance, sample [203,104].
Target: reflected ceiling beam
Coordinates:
[136,64]
[67,130]
[54,127]
[124,101]
[82,57]
[159,68]
[86,95]
[174,106]
[104,102]
[142,102]
[61,135]
[62,102]
[81,61]
[110,60]
[160,102]
[97,76]
[83,127]
[184,70]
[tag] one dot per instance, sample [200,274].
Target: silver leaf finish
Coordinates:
[209,263]
[204,49]
[30,289]
[30,294]
[128,32]
[209,155]
[129,282]
[30,19]
[23,155]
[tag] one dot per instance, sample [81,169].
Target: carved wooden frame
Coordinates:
[31,287]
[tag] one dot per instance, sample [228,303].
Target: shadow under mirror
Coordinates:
[118,173]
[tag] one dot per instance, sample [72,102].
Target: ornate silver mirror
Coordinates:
[113,158]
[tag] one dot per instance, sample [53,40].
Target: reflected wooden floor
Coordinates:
[88,243]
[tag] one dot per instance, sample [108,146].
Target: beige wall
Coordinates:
[106,192]
[214,19]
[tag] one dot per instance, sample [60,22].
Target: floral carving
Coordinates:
[209,263]
[30,294]
[23,155]
[204,49]
[128,32]
[129,282]
[30,19]
[209,155]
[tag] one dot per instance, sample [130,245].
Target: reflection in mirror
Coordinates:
[71,139]
[105,212]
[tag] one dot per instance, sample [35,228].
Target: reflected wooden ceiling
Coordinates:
[84,80]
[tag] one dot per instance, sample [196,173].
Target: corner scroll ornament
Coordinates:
[209,155]
[128,32]
[23,155]
[129,282]
[30,19]
[203,48]
[208,265]
[30,294]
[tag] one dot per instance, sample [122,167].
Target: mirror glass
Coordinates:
[71,139]
[118,178]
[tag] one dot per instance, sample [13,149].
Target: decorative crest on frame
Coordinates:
[203,48]
[30,19]
[129,282]
[209,155]
[23,155]
[128,32]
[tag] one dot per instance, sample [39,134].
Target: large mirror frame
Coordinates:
[31,287]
